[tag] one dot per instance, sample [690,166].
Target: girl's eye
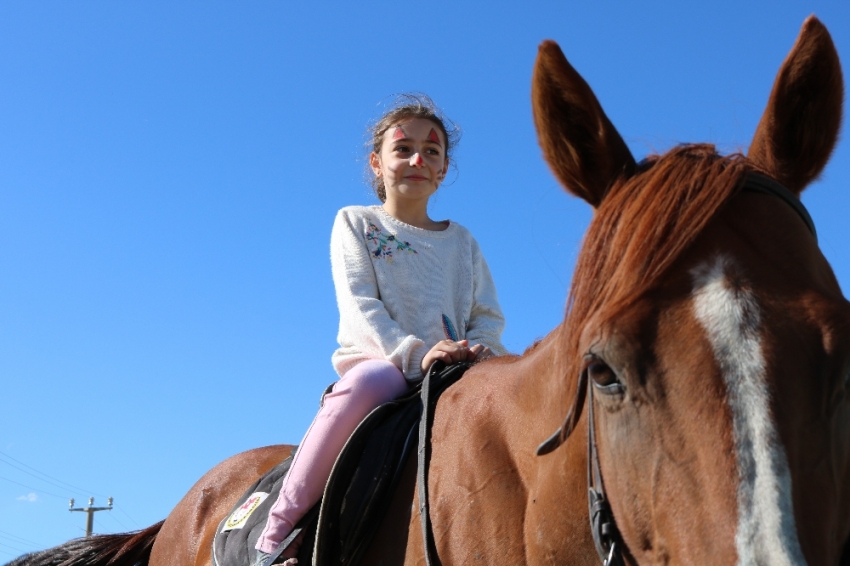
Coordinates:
[401,149]
[432,151]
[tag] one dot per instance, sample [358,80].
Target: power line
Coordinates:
[65,485]
[9,553]
[14,548]
[56,482]
[135,522]
[33,488]
[14,538]
[114,518]
[35,476]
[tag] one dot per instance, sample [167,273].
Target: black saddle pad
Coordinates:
[357,495]
[238,533]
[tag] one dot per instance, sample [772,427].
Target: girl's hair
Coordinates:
[407,107]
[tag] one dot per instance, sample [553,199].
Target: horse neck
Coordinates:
[543,388]
[555,484]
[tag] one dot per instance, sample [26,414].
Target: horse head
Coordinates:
[707,327]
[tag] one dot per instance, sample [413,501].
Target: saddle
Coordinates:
[364,477]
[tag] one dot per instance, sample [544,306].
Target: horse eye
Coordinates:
[601,373]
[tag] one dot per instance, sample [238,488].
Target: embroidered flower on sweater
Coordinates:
[386,244]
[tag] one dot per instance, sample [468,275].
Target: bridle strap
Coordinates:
[758,183]
[606,535]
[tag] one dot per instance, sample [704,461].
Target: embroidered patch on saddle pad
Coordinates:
[238,533]
[240,516]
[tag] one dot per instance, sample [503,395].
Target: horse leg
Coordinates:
[186,535]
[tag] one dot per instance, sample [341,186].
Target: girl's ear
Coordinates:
[375,163]
[445,169]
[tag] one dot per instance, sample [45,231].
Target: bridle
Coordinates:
[758,183]
[603,528]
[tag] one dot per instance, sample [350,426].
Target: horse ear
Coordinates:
[580,144]
[799,128]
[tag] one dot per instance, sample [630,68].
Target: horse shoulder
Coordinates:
[476,490]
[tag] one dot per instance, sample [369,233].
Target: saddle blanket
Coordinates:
[237,535]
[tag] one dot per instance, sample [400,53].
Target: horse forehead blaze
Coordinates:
[731,318]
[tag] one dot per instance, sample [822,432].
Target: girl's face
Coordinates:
[412,161]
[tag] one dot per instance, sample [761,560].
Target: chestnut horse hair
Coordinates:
[645,223]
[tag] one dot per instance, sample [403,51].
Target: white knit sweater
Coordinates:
[401,289]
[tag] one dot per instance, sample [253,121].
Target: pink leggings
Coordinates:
[363,388]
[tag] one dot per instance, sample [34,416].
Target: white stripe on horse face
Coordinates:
[730,316]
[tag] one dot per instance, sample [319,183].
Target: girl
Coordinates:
[410,290]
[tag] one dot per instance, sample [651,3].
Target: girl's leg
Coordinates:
[361,389]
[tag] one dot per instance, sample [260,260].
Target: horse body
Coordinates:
[705,328]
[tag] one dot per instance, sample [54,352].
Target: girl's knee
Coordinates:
[376,381]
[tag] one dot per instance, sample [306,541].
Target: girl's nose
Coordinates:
[416,160]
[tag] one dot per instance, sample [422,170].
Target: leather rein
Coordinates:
[437,380]
[603,528]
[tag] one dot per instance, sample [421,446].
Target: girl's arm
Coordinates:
[486,321]
[366,329]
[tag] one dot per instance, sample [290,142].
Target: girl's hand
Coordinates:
[481,352]
[451,352]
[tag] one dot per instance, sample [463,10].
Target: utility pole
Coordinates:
[90,511]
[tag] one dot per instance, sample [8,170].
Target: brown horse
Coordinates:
[709,331]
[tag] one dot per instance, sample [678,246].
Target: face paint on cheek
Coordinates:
[399,133]
[432,136]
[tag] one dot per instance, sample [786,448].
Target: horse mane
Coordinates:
[643,225]
[126,549]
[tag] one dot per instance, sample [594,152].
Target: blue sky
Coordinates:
[169,173]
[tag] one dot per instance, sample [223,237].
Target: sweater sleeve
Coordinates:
[486,321]
[366,329]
